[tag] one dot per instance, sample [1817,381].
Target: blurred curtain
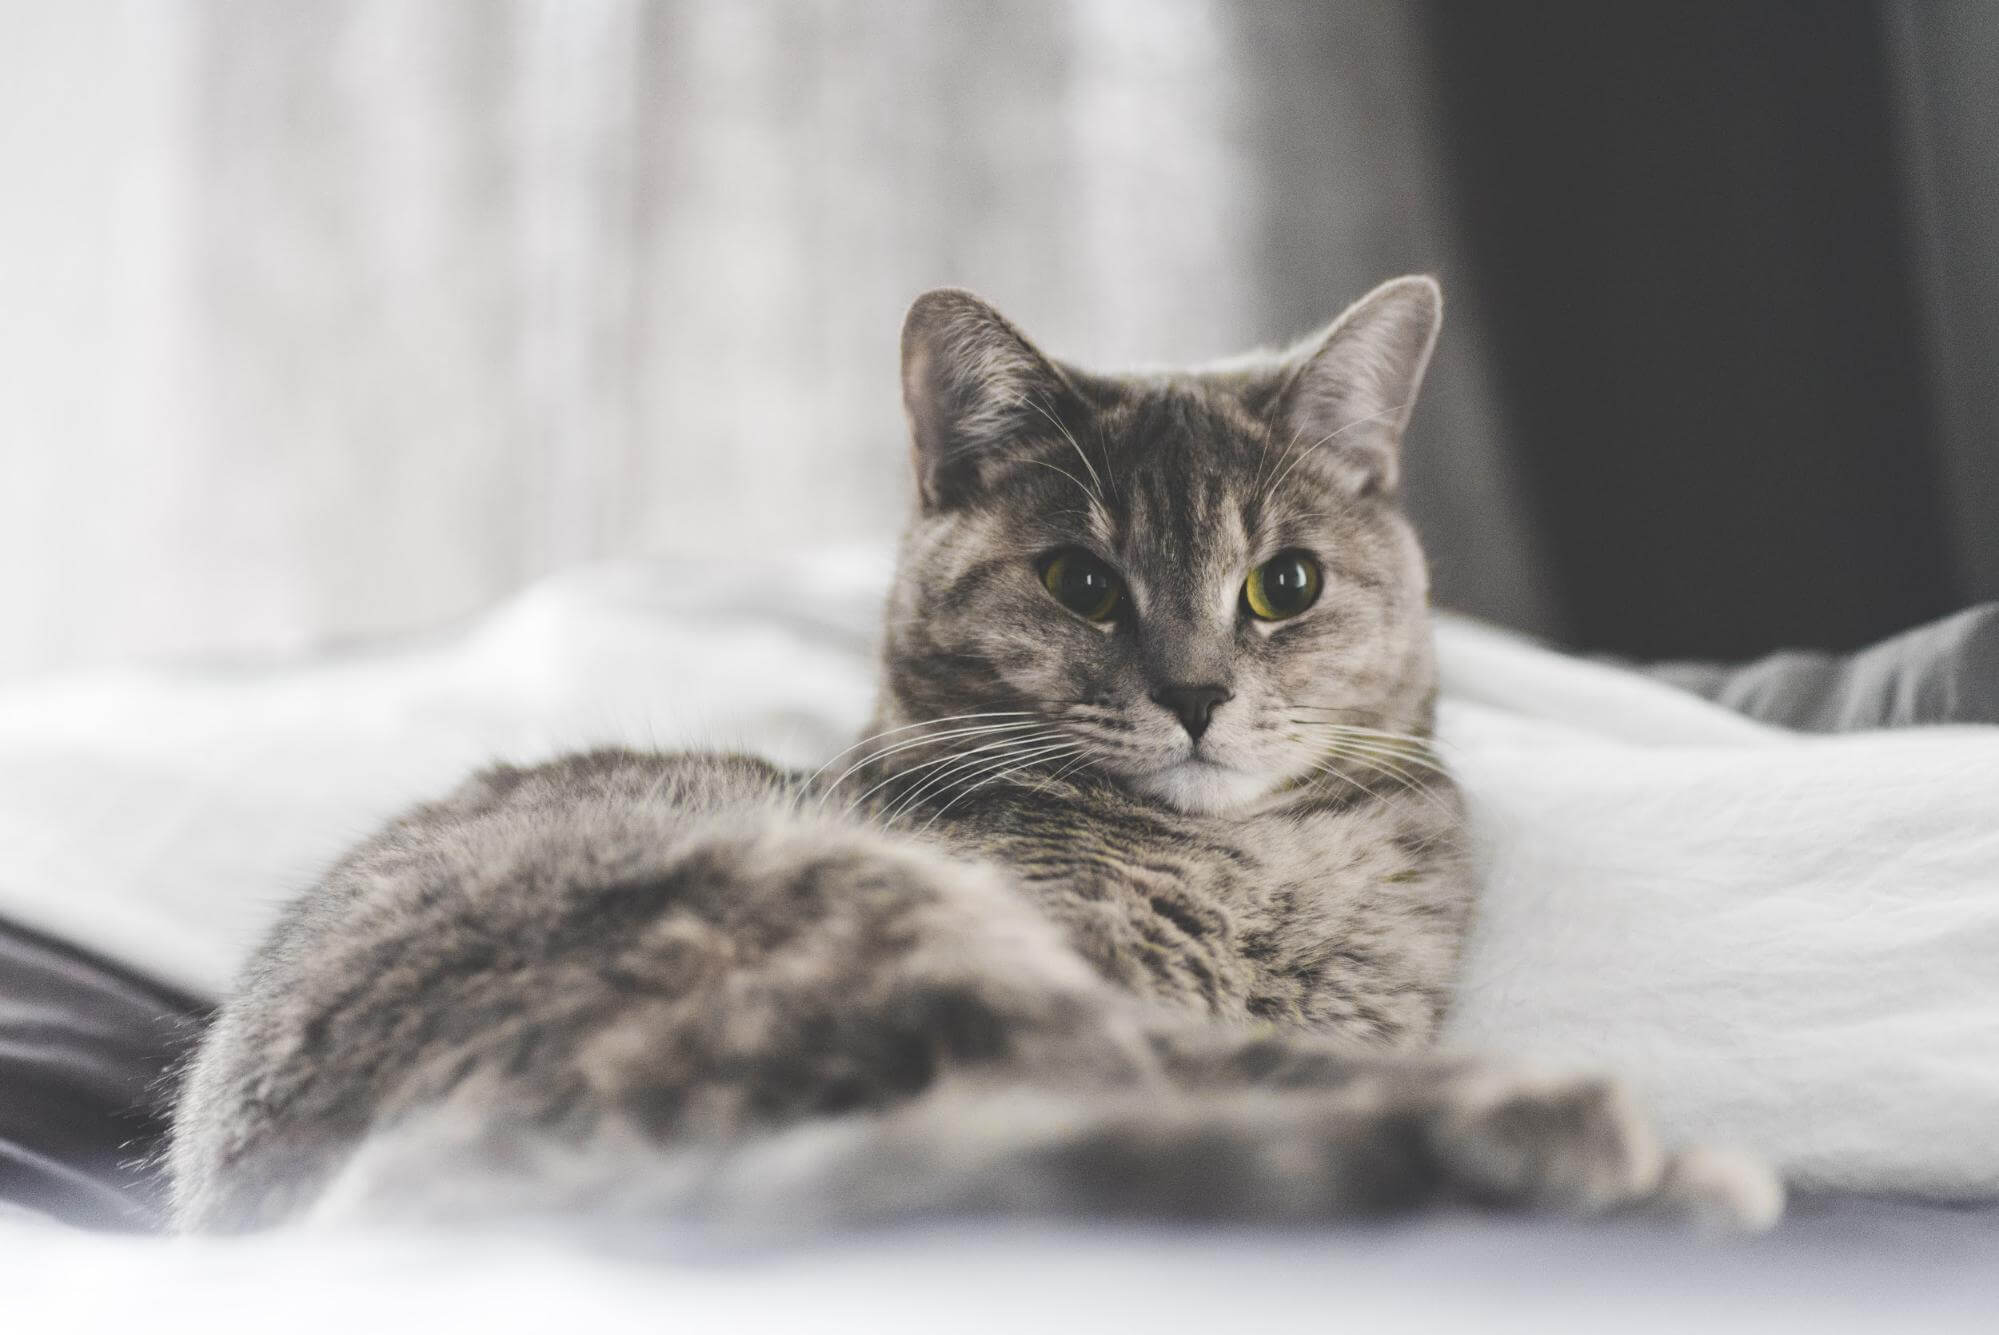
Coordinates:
[454,293]
[1943,64]
[326,318]
[1742,263]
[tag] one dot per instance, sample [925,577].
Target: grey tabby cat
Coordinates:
[1140,898]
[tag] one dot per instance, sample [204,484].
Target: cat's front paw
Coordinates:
[1581,1146]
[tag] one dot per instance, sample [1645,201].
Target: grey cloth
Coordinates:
[1944,672]
[84,1047]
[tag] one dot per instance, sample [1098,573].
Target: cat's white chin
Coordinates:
[1201,787]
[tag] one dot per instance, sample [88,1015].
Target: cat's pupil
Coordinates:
[1086,585]
[1285,579]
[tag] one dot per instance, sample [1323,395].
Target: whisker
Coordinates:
[975,764]
[1084,758]
[939,814]
[1263,500]
[1066,473]
[1057,424]
[1104,448]
[898,775]
[933,788]
[1329,768]
[1413,746]
[951,754]
[969,758]
[1334,709]
[1315,514]
[1400,777]
[925,723]
[1060,514]
[925,739]
[1358,727]
[1265,467]
[1364,730]
[1420,757]
[1386,759]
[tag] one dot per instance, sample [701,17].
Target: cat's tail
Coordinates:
[1242,1156]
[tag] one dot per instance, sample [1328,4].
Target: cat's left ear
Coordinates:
[972,386]
[1349,391]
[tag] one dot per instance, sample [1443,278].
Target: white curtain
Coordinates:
[337,317]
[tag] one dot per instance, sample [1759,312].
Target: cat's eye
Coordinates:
[1282,587]
[1083,584]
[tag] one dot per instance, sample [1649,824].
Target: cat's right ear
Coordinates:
[971,384]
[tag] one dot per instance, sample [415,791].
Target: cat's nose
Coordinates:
[1194,704]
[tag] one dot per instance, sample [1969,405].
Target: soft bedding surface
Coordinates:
[1784,941]
[1866,1266]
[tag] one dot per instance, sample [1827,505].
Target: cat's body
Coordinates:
[1132,900]
[1283,915]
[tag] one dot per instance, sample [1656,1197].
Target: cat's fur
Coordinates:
[1033,945]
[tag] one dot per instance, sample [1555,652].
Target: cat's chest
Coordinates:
[1284,917]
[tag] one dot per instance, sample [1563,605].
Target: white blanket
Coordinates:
[1789,944]
[1785,942]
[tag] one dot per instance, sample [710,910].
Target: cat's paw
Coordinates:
[1719,1190]
[1581,1146]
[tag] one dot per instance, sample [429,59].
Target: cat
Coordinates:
[1142,897]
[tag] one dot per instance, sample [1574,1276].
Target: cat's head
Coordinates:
[1187,581]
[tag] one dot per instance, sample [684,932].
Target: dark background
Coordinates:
[1736,265]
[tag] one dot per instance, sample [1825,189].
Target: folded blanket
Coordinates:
[1784,941]
[1945,672]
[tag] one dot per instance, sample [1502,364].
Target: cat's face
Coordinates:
[1199,584]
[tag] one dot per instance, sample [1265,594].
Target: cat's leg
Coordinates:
[1429,1138]
[1350,1135]
[1478,1130]
[982,1149]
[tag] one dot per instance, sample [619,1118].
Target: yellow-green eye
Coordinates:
[1282,587]
[1083,584]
